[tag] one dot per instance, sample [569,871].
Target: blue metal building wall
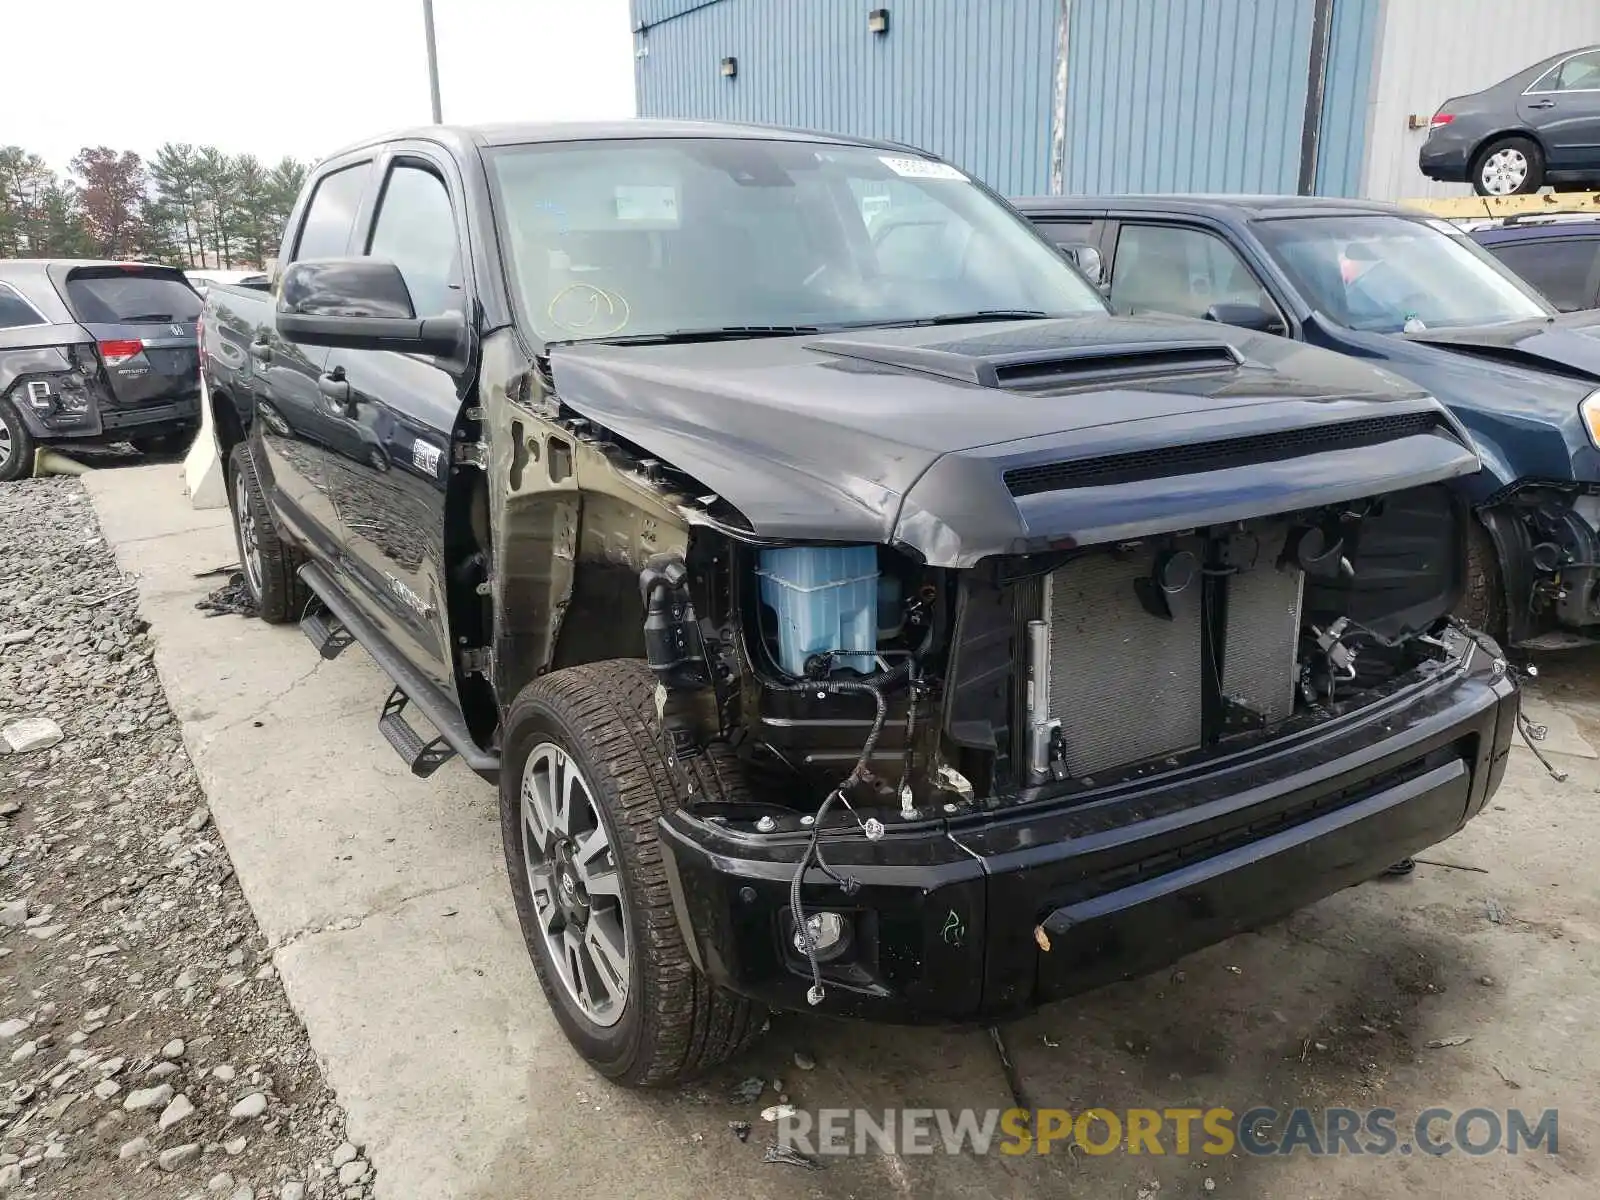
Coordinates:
[1186,95]
[1346,97]
[971,80]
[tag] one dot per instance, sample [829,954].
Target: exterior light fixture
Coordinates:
[730,67]
[878,20]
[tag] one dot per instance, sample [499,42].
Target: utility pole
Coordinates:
[433,60]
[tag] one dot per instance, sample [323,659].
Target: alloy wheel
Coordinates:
[574,877]
[6,448]
[249,540]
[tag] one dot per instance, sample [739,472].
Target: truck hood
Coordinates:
[947,440]
[1567,345]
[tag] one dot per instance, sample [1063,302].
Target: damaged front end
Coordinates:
[1546,539]
[913,739]
[1045,709]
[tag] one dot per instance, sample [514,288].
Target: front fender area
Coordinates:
[572,520]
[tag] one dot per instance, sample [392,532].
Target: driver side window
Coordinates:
[416,231]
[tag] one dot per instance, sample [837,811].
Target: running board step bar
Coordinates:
[325,631]
[439,709]
[424,758]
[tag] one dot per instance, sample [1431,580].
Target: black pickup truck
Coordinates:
[849,624]
[92,353]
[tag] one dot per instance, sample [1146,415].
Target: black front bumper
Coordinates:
[946,926]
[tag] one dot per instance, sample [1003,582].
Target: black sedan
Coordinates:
[1542,125]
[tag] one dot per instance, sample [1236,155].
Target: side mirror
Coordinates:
[1246,316]
[1088,261]
[360,304]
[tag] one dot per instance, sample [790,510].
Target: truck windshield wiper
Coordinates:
[956,318]
[981,314]
[722,333]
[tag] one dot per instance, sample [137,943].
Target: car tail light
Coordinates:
[114,354]
[1441,118]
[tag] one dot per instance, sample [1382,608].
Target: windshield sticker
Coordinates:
[647,202]
[920,168]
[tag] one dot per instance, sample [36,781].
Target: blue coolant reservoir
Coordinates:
[825,598]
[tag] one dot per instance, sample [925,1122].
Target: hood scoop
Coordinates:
[1002,364]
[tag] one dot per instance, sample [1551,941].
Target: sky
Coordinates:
[299,77]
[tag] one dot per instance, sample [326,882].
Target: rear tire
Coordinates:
[1508,166]
[16,445]
[665,1022]
[1483,602]
[269,564]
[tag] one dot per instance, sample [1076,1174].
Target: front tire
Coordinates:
[269,564]
[1508,166]
[584,776]
[16,445]
[1483,602]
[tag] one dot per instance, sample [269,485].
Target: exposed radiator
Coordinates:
[1125,685]
[1258,660]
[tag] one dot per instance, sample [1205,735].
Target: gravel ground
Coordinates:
[146,1046]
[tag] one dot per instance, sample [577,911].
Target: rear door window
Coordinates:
[16,312]
[115,296]
[331,217]
[1566,270]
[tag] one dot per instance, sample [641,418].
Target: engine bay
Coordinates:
[855,670]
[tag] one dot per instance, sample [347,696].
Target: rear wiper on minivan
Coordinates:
[721,333]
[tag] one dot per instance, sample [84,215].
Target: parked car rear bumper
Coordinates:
[103,422]
[976,918]
[1445,161]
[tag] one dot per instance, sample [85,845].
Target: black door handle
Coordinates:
[336,388]
[261,351]
[1543,104]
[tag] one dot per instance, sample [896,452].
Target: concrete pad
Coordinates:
[1562,735]
[385,897]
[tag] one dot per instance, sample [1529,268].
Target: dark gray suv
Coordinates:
[95,352]
[1540,126]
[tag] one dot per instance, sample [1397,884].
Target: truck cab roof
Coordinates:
[465,138]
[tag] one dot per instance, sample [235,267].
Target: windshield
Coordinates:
[672,236]
[1390,273]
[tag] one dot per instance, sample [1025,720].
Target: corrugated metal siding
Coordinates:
[1347,97]
[1186,95]
[970,80]
[1429,52]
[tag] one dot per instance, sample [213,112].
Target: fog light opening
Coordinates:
[829,935]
